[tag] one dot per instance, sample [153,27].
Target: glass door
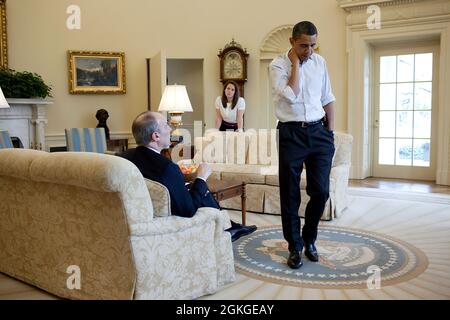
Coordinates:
[404,118]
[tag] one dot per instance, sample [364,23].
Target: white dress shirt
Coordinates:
[154,150]
[230,115]
[315,89]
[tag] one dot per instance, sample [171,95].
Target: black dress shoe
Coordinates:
[311,252]
[238,231]
[295,260]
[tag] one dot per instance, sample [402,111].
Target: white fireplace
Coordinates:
[26,119]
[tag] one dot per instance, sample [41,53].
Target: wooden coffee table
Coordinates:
[226,189]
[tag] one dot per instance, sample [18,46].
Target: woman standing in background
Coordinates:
[230,108]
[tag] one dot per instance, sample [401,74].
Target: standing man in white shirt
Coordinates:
[304,106]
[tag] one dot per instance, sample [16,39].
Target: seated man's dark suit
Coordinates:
[156,167]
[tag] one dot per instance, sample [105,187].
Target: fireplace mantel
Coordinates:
[26,119]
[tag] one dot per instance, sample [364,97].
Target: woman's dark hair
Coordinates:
[235,97]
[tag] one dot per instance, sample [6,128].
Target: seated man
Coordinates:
[152,134]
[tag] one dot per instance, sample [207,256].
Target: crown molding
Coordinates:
[350,5]
[397,12]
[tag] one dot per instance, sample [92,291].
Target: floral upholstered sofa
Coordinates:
[252,157]
[88,226]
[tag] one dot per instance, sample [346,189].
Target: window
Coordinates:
[405,83]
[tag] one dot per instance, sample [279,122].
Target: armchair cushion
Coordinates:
[160,198]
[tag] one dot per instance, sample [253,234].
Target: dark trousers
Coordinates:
[208,200]
[313,146]
[224,126]
[211,202]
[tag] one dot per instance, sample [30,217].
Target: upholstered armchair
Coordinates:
[5,140]
[86,139]
[95,213]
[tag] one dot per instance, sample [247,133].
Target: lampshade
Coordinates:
[175,100]
[3,102]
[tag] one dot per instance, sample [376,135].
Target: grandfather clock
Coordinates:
[233,64]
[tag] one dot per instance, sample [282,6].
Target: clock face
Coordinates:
[233,67]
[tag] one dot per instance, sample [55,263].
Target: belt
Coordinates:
[305,124]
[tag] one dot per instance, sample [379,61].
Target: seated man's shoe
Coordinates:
[295,260]
[234,234]
[238,231]
[311,252]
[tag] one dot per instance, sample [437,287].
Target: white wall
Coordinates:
[38,41]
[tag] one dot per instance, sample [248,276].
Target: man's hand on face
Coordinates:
[204,171]
[293,57]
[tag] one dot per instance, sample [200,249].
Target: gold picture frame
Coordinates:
[96,72]
[3,36]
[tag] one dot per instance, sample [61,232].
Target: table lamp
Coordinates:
[175,101]
[3,102]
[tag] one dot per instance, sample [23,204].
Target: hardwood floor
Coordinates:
[12,289]
[400,185]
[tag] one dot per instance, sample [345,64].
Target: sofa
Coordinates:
[252,157]
[89,226]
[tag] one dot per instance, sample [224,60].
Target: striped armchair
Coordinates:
[5,140]
[86,139]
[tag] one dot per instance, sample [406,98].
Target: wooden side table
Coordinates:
[117,145]
[226,189]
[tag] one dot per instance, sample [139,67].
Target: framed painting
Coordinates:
[3,36]
[96,72]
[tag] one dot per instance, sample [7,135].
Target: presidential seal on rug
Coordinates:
[349,258]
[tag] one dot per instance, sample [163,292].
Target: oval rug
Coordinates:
[348,258]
